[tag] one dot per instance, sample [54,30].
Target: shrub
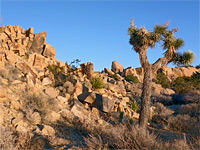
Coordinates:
[190,109]
[134,105]
[122,137]
[115,77]
[183,123]
[132,78]
[59,74]
[162,79]
[97,83]
[7,139]
[187,84]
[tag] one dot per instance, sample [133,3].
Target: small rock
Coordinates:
[46,81]
[48,131]
[51,92]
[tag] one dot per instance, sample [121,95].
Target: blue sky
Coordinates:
[96,31]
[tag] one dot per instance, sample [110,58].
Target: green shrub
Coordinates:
[184,85]
[115,77]
[97,83]
[162,79]
[134,105]
[132,78]
[58,73]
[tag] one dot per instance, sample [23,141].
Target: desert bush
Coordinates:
[162,79]
[115,77]
[132,78]
[122,137]
[10,72]
[187,84]
[179,144]
[183,123]
[7,139]
[59,74]
[36,102]
[190,109]
[161,110]
[35,141]
[97,82]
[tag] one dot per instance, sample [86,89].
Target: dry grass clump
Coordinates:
[161,110]
[10,72]
[190,109]
[183,123]
[122,137]
[185,120]
[31,142]
[7,139]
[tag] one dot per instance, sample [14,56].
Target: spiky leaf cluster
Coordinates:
[184,59]
[140,37]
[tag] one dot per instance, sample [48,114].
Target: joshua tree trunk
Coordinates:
[146,97]
[146,90]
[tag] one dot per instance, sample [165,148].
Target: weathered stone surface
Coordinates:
[49,51]
[48,131]
[26,68]
[88,69]
[52,92]
[17,48]
[25,41]
[39,61]
[38,42]
[117,67]
[167,91]
[46,81]
[109,72]
[77,109]
[3,92]
[156,87]
[117,88]
[105,103]
[52,116]
[29,32]
[11,57]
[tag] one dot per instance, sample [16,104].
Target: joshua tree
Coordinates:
[141,39]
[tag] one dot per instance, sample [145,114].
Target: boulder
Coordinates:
[108,71]
[26,68]
[17,48]
[106,104]
[38,42]
[46,81]
[52,92]
[117,88]
[88,69]
[178,99]
[52,116]
[77,109]
[11,57]
[39,61]
[49,51]
[48,131]
[117,67]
